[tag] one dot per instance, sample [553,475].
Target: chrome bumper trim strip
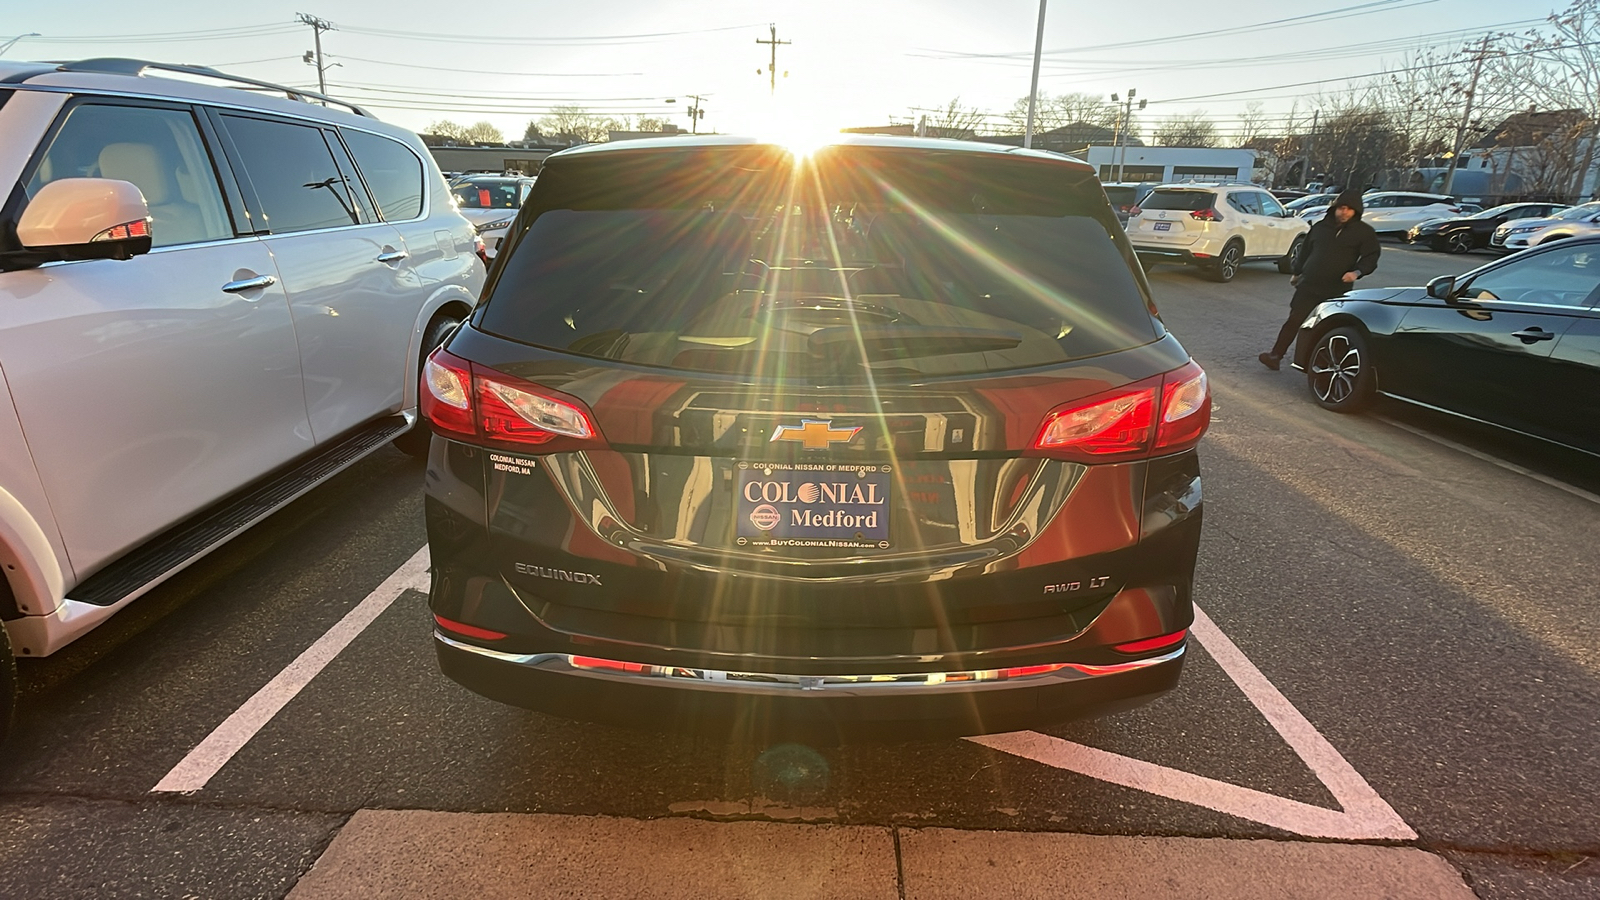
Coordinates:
[715,678]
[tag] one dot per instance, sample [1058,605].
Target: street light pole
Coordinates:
[1033,90]
[7,45]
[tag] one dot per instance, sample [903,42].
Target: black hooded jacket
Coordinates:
[1331,249]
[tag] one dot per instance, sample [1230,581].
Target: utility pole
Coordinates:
[696,113]
[772,67]
[1122,130]
[1479,56]
[1033,90]
[1311,148]
[318,26]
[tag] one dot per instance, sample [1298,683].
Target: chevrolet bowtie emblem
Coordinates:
[814,434]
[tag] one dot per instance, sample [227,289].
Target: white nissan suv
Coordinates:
[1216,227]
[211,300]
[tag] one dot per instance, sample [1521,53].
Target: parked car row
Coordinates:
[211,300]
[490,202]
[1574,221]
[1465,233]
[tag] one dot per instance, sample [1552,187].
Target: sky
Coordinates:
[850,63]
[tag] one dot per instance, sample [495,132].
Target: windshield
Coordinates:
[1308,201]
[1577,212]
[737,260]
[498,194]
[1494,211]
[1188,201]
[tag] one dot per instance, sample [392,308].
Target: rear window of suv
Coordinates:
[1186,201]
[742,260]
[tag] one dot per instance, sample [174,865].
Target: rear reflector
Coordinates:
[1123,424]
[1155,643]
[465,630]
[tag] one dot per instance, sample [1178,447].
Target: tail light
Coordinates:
[482,249]
[1454,209]
[1206,215]
[1135,210]
[475,403]
[1156,643]
[1158,416]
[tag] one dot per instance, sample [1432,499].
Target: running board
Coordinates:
[174,550]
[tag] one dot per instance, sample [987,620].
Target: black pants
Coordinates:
[1306,298]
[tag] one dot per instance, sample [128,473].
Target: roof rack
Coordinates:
[113,65]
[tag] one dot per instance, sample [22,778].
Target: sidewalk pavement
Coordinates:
[424,854]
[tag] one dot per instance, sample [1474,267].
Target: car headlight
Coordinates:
[499,223]
[1525,229]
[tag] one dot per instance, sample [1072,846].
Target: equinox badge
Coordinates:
[814,434]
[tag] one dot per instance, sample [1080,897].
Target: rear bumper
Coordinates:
[764,707]
[1198,254]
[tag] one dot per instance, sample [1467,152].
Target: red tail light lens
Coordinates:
[482,249]
[465,630]
[1206,215]
[1135,210]
[1185,409]
[1160,415]
[475,403]
[1155,643]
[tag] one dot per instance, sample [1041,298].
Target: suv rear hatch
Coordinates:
[771,388]
[1175,216]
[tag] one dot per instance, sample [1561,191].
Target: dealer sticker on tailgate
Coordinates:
[844,505]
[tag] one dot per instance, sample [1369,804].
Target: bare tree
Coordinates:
[578,122]
[483,133]
[953,119]
[1252,123]
[1064,109]
[445,128]
[1194,130]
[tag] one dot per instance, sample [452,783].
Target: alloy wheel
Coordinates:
[1335,366]
[1229,263]
[1460,242]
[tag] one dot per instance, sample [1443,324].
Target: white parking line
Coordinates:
[210,755]
[1494,460]
[1364,815]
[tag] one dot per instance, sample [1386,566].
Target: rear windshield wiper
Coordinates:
[908,341]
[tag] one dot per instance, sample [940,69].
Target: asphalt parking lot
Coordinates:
[1398,650]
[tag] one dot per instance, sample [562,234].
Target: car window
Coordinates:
[735,260]
[294,174]
[159,150]
[1566,276]
[1576,212]
[392,172]
[1245,202]
[488,195]
[1378,202]
[1269,205]
[1187,201]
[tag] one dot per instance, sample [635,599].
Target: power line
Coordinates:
[1345,12]
[502,73]
[573,41]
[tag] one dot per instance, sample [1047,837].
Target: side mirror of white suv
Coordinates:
[84,218]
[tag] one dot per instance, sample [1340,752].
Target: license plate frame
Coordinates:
[840,506]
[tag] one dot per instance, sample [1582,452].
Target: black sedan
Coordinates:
[1515,344]
[1464,234]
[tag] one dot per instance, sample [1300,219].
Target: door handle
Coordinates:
[250,284]
[1533,335]
[392,256]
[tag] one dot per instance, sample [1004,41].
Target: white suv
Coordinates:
[211,300]
[1216,227]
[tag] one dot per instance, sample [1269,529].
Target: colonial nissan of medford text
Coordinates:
[878,441]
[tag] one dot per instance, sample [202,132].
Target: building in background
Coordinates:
[1171,164]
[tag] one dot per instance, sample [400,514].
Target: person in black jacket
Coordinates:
[1337,250]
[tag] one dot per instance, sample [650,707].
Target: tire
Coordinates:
[1459,242]
[416,441]
[1286,262]
[1227,265]
[1340,370]
[8,685]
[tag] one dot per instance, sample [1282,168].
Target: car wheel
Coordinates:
[1227,265]
[1286,262]
[1340,370]
[1459,242]
[8,684]
[415,442]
